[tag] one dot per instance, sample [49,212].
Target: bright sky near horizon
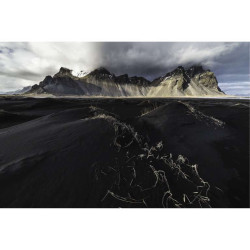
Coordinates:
[23,63]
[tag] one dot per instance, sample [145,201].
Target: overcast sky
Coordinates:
[23,64]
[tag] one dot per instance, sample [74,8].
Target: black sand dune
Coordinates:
[124,152]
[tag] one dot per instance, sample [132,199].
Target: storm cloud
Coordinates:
[23,64]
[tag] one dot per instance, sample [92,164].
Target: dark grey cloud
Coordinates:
[154,59]
[27,63]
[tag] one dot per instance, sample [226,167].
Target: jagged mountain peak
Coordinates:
[191,71]
[137,80]
[47,80]
[63,72]
[123,78]
[195,69]
[71,73]
[100,70]
[178,70]
[140,80]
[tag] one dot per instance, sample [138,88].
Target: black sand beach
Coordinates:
[72,152]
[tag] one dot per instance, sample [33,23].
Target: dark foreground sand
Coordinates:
[124,152]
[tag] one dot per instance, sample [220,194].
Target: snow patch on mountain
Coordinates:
[80,74]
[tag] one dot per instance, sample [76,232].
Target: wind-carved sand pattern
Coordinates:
[209,120]
[143,176]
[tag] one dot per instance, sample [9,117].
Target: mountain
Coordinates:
[112,85]
[19,91]
[194,81]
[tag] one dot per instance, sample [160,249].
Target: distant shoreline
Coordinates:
[129,97]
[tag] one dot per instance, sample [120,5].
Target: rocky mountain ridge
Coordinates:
[194,81]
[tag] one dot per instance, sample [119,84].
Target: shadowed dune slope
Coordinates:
[124,153]
[46,162]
